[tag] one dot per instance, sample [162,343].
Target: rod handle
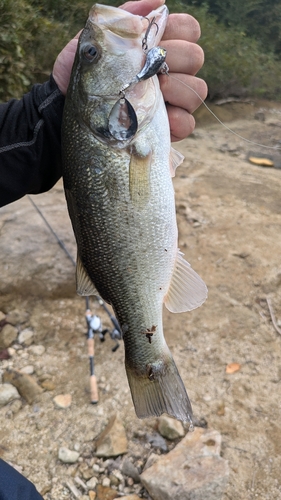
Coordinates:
[94,390]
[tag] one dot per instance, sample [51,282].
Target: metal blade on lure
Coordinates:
[122,121]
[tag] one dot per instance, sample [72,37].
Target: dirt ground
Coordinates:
[229,218]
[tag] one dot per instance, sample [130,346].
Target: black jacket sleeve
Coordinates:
[30,142]
[13,486]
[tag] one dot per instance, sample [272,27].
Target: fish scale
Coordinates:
[121,203]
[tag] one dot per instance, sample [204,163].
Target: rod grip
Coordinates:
[94,389]
[91,347]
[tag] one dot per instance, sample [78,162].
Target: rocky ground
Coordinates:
[228,351]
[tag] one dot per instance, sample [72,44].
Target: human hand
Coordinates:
[184,58]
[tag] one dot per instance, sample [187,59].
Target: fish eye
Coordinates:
[91,53]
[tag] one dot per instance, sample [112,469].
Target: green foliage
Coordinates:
[32,34]
[235,64]
[13,76]
[259,19]
[239,39]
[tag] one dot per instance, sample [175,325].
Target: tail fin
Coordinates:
[161,391]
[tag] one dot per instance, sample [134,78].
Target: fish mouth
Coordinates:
[129,26]
[118,21]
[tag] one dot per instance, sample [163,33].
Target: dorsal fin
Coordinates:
[187,290]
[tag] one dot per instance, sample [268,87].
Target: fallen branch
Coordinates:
[272,316]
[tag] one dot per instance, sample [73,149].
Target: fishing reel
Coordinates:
[94,325]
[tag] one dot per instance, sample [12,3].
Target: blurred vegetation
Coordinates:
[237,62]
[241,41]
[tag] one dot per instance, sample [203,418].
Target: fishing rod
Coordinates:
[94,325]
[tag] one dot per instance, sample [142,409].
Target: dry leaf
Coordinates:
[232,368]
[263,162]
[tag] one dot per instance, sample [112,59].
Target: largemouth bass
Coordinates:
[120,199]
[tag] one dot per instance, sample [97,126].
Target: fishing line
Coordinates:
[94,325]
[217,118]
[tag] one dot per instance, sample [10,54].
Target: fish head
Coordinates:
[109,55]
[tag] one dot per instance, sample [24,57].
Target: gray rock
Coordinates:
[170,428]
[157,441]
[7,393]
[130,470]
[2,316]
[26,337]
[8,335]
[112,441]
[193,470]
[67,456]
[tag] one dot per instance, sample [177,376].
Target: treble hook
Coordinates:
[144,40]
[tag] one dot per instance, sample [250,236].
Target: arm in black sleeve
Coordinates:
[30,142]
[13,486]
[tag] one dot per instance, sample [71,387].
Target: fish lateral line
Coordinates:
[276,148]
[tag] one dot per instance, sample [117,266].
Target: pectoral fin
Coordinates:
[187,290]
[140,174]
[176,158]
[84,285]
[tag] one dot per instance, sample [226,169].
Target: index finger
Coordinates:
[182,27]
